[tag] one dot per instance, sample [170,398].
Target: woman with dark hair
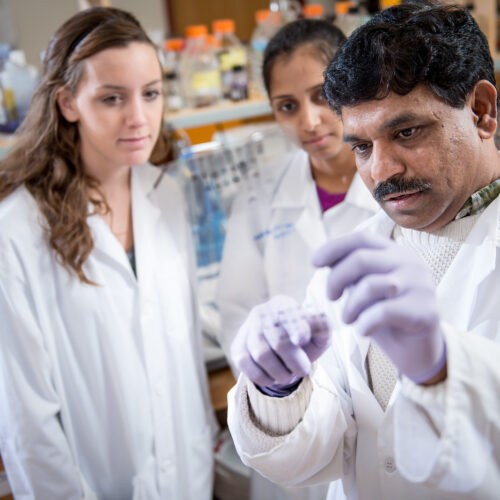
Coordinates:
[309,196]
[102,386]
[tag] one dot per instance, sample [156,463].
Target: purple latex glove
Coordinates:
[278,342]
[391,296]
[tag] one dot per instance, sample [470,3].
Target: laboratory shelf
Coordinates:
[223,112]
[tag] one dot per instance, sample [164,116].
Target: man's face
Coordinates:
[418,156]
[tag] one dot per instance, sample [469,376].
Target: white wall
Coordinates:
[34,21]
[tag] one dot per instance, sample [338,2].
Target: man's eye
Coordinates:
[407,132]
[360,148]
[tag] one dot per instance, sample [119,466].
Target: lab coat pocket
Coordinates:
[144,483]
[201,465]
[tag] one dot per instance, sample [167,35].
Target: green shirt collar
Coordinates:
[480,200]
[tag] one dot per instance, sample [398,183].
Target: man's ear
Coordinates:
[483,102]
[67,105]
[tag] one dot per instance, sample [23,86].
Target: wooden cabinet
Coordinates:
[220,382]
[4,487]
[182,13]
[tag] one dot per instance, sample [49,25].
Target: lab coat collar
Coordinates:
[360,196]
[379,223]
[486,229]
[296,185]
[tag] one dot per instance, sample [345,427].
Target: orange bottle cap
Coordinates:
[342,7]
[174,44]
[261,15]
[196,31]
[223,26]
[313,10]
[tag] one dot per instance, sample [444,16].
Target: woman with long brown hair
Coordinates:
[102,388]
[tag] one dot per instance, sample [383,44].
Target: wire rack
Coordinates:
[210,175]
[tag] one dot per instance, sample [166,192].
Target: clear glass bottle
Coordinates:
[289,10]
[171,73]
[230,52]
[239,83]
[199,69]
[268,23]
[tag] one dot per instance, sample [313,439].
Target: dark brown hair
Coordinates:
[320,35]
[416,42]
[46,156]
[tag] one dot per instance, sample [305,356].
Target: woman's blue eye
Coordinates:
[151,94]
[111,99]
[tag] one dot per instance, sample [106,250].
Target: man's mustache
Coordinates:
[400,185]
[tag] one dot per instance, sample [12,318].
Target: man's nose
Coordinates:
[385,163]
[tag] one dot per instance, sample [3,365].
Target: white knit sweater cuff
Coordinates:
[279,416]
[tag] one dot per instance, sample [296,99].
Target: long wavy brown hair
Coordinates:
[46,155]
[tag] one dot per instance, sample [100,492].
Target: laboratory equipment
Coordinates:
[199,69]
[231,54]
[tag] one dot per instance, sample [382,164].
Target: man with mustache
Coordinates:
[390,379]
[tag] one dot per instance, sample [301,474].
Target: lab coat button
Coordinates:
[389,464]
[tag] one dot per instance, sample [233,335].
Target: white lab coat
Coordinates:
[432,443]
[103,392]
[276,223]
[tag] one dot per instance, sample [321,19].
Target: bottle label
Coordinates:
[205,80]
[259,45]
[234,57]
[9,102]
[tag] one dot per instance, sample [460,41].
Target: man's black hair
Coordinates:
[320,34]
[419,42]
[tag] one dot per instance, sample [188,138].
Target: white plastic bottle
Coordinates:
[17,83]
[231,53]
[199,69]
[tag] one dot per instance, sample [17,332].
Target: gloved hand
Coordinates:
[278,342]
[391,296]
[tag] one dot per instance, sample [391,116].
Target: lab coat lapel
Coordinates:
[107,247]
[144,209]
[310,223]
[297,192]
[475,260]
